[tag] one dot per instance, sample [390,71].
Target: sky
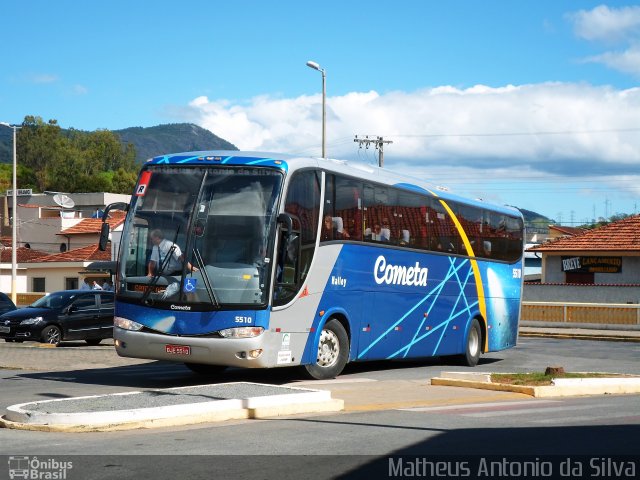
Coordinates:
[530,103]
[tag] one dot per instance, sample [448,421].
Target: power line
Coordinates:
[519,134]
[378,142]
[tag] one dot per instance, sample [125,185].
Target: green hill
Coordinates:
[171,138]
[149,142]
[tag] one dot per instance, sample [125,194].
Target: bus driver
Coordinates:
[161,248]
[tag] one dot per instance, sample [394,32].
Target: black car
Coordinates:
[6,305]
[60,316]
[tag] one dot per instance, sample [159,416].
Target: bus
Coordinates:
[287,261]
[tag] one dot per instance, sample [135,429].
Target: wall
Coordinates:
[541,292]
[552,270]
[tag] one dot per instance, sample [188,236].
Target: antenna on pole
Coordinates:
[378,142]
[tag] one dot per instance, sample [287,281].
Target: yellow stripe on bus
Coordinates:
[474,265]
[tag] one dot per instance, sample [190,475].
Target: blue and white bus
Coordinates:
[287,261]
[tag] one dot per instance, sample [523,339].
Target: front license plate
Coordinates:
[177,349]
[5,329]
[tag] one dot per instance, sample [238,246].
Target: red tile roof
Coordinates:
[623,235]
[93,225]
[22,254]
[84,254]
[567,230]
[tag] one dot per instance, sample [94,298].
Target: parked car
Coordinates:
[6,305]
[60,316]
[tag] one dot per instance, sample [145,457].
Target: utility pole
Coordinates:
[378,142]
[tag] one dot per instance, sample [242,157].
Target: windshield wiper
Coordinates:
[207,282]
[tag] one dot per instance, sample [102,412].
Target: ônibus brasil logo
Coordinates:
[399,274]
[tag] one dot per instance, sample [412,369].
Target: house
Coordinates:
[57,240]
[605,255]
[560,231]
[589,280]
[608,256]
[65,271]
[42,216]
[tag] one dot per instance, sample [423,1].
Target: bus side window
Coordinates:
[296,251]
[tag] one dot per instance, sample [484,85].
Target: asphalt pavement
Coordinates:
[350,394]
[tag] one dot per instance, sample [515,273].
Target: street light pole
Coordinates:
[315,66]
[14,220]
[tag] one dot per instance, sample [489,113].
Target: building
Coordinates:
[560,231]
[56,240]
[65,271]
[605,255]
[43,216]
[589,280]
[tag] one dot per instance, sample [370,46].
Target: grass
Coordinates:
[535,379]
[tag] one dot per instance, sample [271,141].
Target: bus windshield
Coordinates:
[200,236]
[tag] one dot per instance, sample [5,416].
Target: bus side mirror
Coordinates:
[104,229]
[104,236]
[286,219]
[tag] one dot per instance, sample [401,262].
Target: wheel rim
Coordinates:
[328,349]
[474,342]
[53,336]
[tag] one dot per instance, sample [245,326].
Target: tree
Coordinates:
[73,160]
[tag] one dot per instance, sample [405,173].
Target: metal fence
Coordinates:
[581,315]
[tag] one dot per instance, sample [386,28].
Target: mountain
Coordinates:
[535,222]
[171,138]
[149,142]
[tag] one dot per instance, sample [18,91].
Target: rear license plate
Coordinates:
[177,349]
[5,329]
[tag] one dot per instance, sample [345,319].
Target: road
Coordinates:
[470,422]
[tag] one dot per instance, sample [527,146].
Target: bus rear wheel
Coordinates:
[473,345]
[333,352]
[205,369]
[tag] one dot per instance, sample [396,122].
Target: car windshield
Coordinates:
[53,300]
[200,235]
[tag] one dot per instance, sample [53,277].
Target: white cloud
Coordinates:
[80,89]
[612,26]
[550,127]
[43,78]
[607,24]
[627,61]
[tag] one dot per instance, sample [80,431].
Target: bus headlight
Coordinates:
[127,324]
[241,332]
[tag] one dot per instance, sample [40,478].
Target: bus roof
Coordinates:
[289,163]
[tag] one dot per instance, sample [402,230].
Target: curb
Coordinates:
[578,336]
[42,416]
[561,387]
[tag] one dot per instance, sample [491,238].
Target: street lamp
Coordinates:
[14,222]
[315,66]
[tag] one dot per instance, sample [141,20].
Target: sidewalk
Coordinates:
[581,333]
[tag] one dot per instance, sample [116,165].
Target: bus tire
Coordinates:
[332,354]
[205,369]
[473,345]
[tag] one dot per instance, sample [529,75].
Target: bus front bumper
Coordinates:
[243,352]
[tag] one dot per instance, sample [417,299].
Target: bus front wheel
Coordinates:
[333,352]
[473,345]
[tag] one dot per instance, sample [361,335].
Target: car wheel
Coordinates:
[51,334]
[333,352]
[204,369]
[93,341]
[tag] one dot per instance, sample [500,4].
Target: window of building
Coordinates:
[71,283]
[38,284]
